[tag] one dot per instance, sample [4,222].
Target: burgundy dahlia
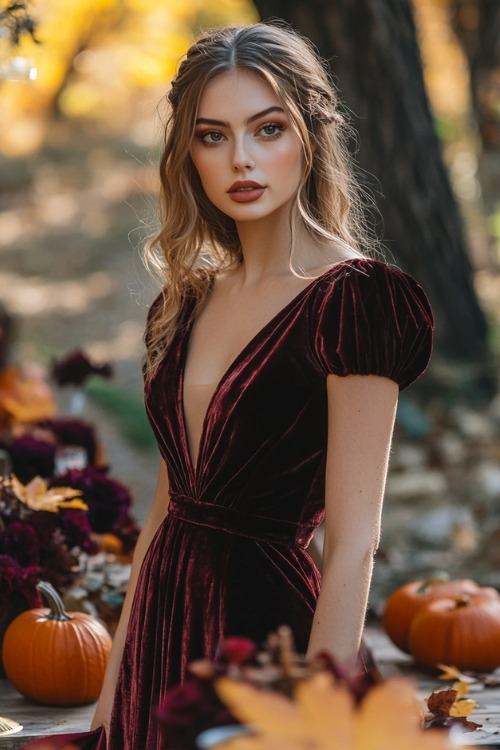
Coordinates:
[76,367]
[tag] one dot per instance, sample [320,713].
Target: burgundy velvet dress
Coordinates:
[231,557]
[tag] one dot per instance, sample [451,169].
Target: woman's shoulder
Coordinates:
[374,268]
[373,318]
[371,280]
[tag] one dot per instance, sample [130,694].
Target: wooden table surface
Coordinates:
[40,721]
[392,662]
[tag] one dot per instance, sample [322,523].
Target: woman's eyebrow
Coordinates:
[252,118]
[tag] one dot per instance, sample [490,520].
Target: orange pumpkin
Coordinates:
[56,658]
[405,602]
[463,632]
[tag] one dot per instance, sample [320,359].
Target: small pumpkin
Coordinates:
[463,632]
[54,657]
[403,604]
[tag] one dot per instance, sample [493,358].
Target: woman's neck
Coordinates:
[267,249]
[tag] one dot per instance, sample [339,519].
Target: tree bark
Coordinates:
[376,63]
[477,26]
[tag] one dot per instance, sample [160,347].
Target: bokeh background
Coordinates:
[80,134]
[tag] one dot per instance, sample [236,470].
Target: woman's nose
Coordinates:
[242,155]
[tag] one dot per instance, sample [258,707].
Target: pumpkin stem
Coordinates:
[54,601]
[463,600]
[432,581]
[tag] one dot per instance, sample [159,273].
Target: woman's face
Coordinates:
[246,152]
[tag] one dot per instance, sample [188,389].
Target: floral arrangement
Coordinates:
[58,523]
[76,367]
[275,699]
[42,533]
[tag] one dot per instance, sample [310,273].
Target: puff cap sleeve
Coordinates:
[374,320]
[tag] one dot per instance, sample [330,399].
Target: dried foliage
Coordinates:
[16,21]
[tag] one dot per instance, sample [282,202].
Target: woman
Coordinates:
[275,352]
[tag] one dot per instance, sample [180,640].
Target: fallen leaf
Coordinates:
[463,707]
[440,702]
[450,673]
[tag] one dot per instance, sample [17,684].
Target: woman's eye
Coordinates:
[211,137]
[272,129]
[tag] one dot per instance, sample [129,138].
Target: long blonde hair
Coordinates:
[194,233]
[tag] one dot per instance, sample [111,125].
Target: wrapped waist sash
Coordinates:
[232,521]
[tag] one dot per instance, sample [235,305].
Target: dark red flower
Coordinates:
[17,588]
[60,566]
[75,526]
[30,457]
[18,591]
[237,650]
[20,541]
[14,579]
[46,525]
[109,501]
[187,710]
[184,704]
[76,367]
[74,432]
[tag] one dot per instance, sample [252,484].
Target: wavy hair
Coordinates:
[193,232]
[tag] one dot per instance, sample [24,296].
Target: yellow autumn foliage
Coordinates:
[323,715]
[37,496]
[24,397]
[97,58]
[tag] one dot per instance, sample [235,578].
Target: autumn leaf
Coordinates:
[450,673]
[462,689]
[323,715]
[448,708]
[391,716]
[277,717]
[463,707]
[25,397]
[440,702]
[37,496]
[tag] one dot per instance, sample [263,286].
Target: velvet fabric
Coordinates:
[231,557]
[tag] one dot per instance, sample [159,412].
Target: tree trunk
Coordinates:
[477,26]
[376,63]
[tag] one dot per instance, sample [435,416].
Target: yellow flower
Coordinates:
[37,496]
[323,716]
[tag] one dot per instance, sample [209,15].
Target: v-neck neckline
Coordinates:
[194,464]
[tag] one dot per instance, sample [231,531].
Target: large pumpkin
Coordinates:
[463,632]
[404,603]
[54,657]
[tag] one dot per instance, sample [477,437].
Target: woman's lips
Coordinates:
[245,191]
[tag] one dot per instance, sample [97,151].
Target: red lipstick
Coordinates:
[245,191]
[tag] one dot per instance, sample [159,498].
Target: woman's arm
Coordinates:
[155,516]
[361,414]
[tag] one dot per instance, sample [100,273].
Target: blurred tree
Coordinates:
[376,60]
[104,61]
[477,25]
